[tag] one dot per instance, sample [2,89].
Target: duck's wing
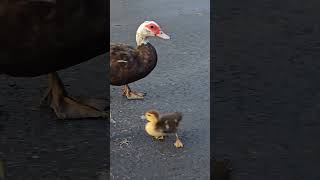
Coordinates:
[122,53]
[169,123]
[124,64]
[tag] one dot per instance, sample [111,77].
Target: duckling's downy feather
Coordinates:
[169,123]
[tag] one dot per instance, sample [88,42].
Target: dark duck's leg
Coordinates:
[132,95]
[66,107]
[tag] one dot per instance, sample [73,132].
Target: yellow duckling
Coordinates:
[159,126]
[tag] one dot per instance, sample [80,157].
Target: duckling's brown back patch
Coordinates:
[169,123]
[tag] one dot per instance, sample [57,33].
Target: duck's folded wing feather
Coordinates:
[123,63]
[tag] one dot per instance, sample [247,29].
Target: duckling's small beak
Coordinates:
[162,35]
[143,117]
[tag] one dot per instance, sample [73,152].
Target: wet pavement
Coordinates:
[180,82]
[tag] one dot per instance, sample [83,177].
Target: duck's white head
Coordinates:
[149,29]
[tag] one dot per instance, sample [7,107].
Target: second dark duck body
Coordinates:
[41,37]
[129,64]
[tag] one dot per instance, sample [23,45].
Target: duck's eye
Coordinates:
[151,27]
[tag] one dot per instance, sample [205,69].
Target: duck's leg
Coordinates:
[66,107]
[178,143]
[131,94]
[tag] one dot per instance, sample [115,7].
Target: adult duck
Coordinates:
[129,64]
[43,36]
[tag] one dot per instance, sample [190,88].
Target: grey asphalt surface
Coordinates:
[266,84]
[180,82]
[37,146]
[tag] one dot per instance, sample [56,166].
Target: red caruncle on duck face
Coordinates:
[154,28]
[151,29]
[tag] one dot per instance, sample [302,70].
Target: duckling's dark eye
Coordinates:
[151,27]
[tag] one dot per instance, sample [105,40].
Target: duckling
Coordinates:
[159,126]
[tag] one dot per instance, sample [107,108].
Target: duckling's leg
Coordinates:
[178,143]
[66,107]
[131,94]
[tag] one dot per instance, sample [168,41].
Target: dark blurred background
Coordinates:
[266,101]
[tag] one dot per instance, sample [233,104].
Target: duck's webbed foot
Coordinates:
[68,108]
[132,95]
[178,143]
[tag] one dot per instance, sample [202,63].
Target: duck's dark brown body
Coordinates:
[42,36]
[128,64]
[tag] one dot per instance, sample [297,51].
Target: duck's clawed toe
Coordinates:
[132,95]
[96,103]
[135,95]
[140,94]
[68,108]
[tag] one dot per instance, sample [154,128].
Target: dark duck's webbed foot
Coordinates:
[66,107]
[132,95]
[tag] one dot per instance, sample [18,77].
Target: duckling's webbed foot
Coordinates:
[132,95]
[66,107]
[178,143]
[159,138]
